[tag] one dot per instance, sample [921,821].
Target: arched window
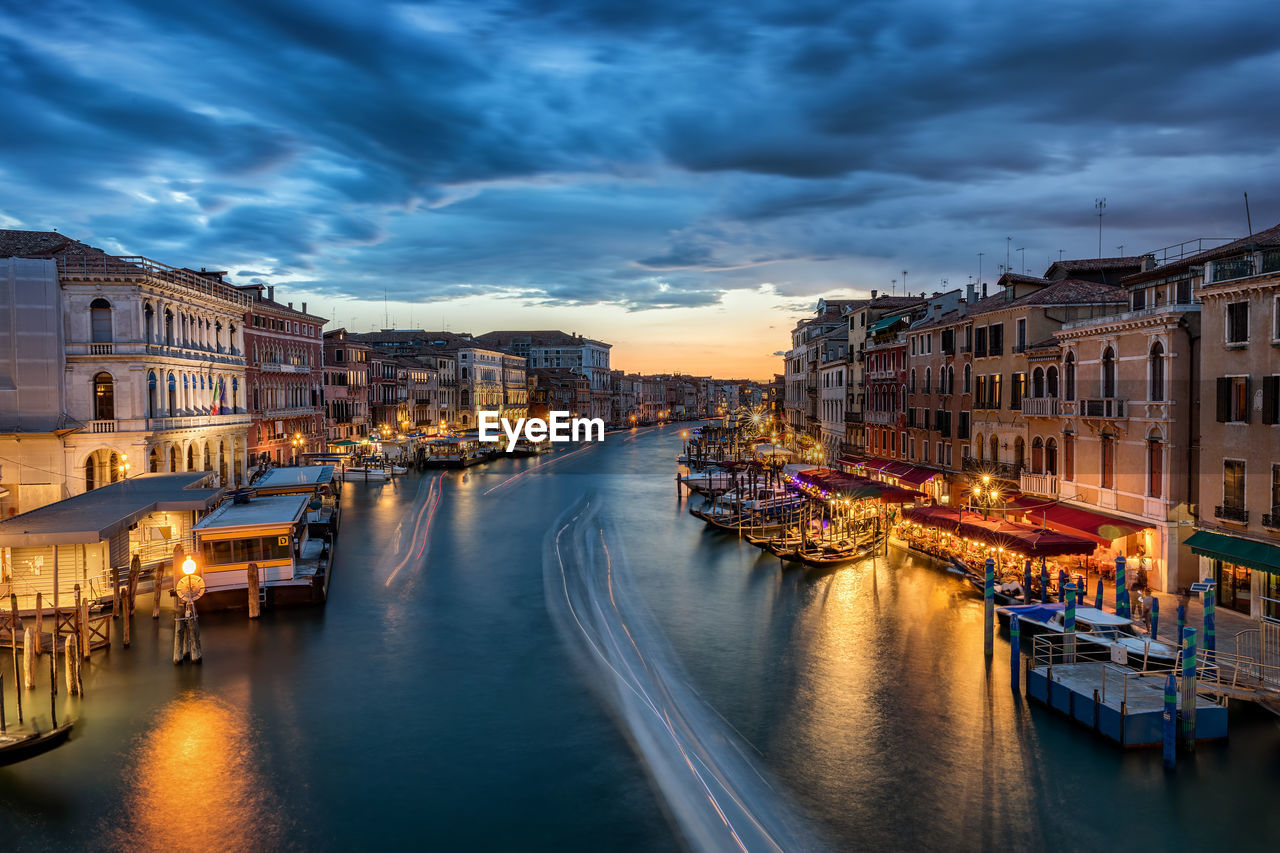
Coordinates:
[168,327]
[1037,382]
[115,472]
[1108,372]
[913,381]
[100,321]
[153,460]
[928,380]
[1157,372]
[191,457]
[951,379]
[104,397]
[1019,452]
[995,448]
[1155,464]
[173,395]
[149,324]
[1051,381]
[1037,456]
[981,447]
[1051,457]
[90,480]
[968,380]
[1071,376]
[152,394]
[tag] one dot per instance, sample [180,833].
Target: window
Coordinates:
[1156,372]
[1139,299]
[913,380]
[1051,457]
[995,339]
[1233,399]
[100,321]
[1238,323]
[1271,399]
[1233,484]
[1037,382]
[993,389]
[964,426]
[1275,491]
[928,379]
[995,449]
[980,342]
[104,398]
[980,446]
[1108,473]
[949,340]
[1017,390]
[968,380]
[980,391]
[1155,466]
[1022,335]
[1071,376]
[1068,456]
[1108,372]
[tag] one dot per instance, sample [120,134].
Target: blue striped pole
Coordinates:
[1097,598]
[1189,687]
[1210,616]
[1170,722]
[989,609]
[1044,582]
[1062,584]
[1069,622]
[1122,592]
[1015,653]
[1155,617]
[1182,622]
[1026,582]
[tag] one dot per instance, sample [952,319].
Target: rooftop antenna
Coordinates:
[980,254]
[1121,249]
[904,282]
[1008,243]
[1060,255]
[386,317]
[1247,218]
[893,286]
[1101,205]
[1023,250]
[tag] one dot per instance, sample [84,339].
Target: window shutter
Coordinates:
[1247,403]
[1270,392]
[1224,400]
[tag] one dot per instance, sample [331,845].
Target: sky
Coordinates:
[682,180]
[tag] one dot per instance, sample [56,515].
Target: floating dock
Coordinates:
[1123,705]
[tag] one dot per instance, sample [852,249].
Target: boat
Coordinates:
[20,747]
[834,554]
[1093,626]
[367,473]
[399,469]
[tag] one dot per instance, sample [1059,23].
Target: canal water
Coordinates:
[553,655]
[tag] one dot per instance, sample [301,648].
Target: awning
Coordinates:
[1097,526]
[1231,549]
[884,324]
[343,443]
[912,475]
[1012,536]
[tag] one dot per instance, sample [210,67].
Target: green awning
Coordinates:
[343,443]
[1230,549]
[884,324]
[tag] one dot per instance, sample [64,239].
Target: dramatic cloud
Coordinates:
[643,155]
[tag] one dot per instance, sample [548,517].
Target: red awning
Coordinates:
[1099,527]
[917,475]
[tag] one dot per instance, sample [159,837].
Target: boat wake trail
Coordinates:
[416,547]
[718,794]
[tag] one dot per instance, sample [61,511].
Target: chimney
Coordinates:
[1148,263]
[984,290]
[304,308]
[969,293]
[873,293]
[290,305]
[271,292]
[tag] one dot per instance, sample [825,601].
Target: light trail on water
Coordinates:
[421,527]
[720,798]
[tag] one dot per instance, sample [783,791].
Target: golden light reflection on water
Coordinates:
[194,783]
[894,697]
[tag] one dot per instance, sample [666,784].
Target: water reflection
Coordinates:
[195,783]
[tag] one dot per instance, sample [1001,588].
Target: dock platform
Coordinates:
[1124,705]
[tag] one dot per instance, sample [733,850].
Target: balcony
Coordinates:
[159,424]
[273,367]
[880,417]
[102,426]
[1039,484]
[1231,513]
[1040,407]
[1102,407]
[853,417]
[882,374]
[1272,519]
[290,412]
[1004,470]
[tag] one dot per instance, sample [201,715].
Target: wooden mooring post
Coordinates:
[39,622]
[28,659]
[135,571]
[13,640]
[72,648]
[254,593]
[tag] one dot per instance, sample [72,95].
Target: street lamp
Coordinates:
[189,565]
[123,467]
[298,442]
